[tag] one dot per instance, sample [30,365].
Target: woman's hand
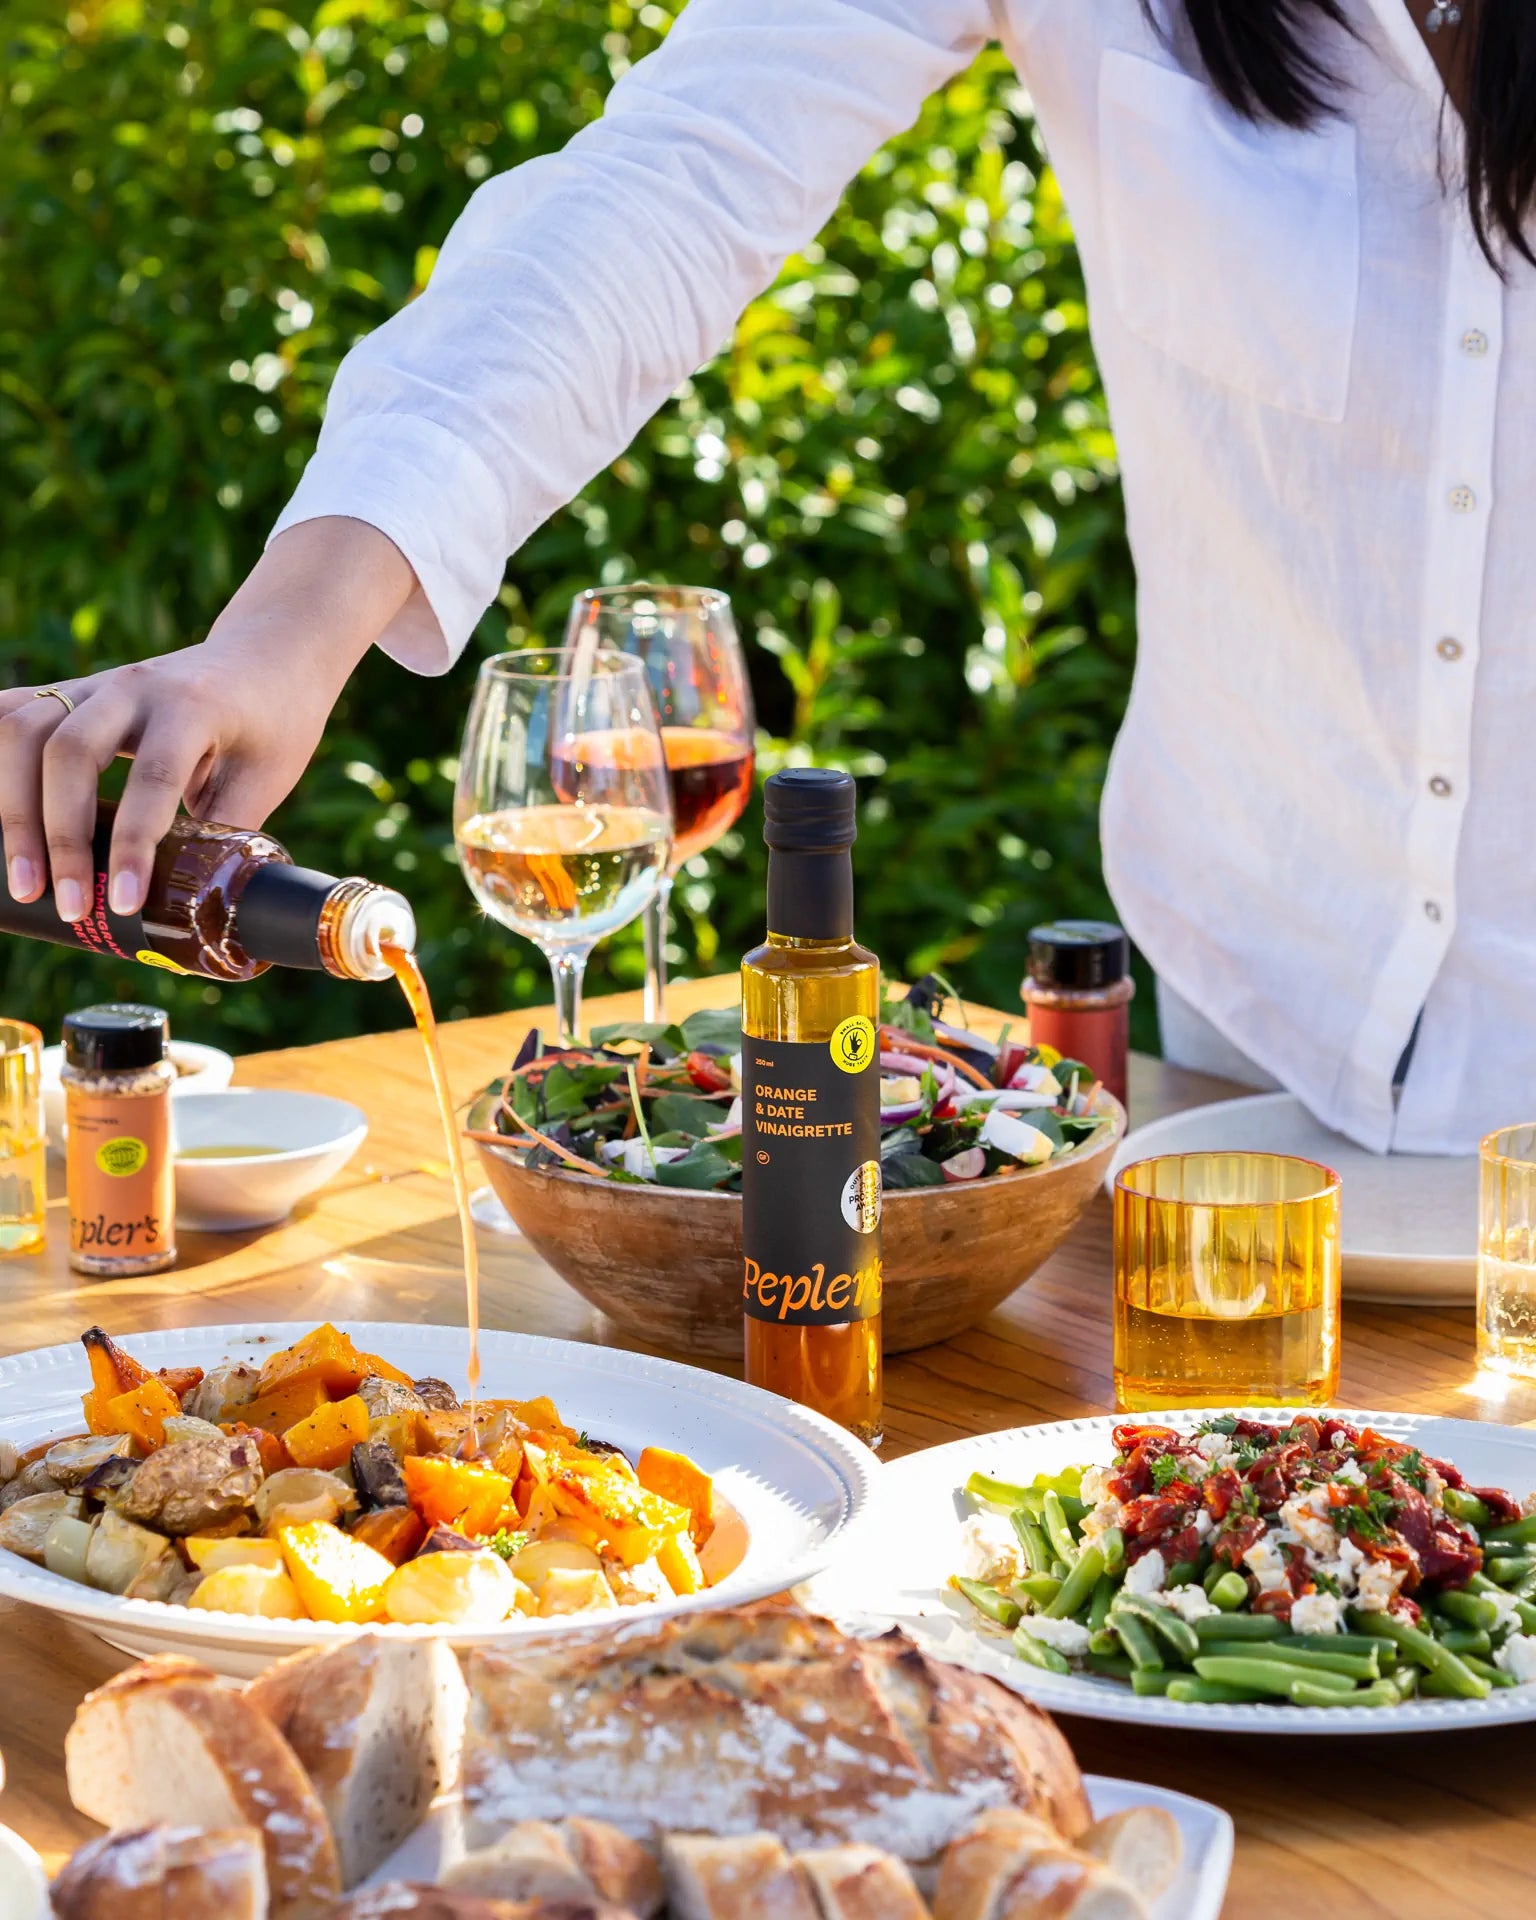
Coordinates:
[227,726]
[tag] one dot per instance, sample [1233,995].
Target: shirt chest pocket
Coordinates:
[1235,249]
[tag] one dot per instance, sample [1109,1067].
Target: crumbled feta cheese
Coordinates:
[1204,1524]
[1190,1603]
[1095,1485]
[990,1549]
[1378,1582]
[1098,1520]
[1352,1472]
[1265,1561]
[1528,1505]
[1306,1515]
[1517,1658]
[1317,1613]
[1146,1575]
[1347,1566]
[1506,1605]
[1211,1446]
[1066,1636]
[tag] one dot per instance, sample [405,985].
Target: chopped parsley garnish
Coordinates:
[1411,1466]
[507,1545]
[1167,1468]
[1224,1423]
[1325,1582]
[1372,1519]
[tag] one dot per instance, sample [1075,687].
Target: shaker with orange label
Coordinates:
[120,1172]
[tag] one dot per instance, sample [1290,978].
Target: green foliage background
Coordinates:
[901,469]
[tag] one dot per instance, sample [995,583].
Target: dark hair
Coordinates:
[1260,57]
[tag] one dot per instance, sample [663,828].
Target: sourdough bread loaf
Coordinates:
[165,1873]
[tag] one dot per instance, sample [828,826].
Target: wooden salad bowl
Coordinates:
[665,1265]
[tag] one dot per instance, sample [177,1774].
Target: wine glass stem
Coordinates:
[566,969]
[657,924]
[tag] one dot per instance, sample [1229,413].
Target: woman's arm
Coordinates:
[570,299]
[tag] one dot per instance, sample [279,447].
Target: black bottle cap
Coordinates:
[277,917]
[810,810]
[1078,954]
[115,1038]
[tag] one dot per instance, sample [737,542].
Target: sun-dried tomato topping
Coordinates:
[1498,1503]
[1306,1432]
[1128,1436]
[1235,1538]
[1452,1476]
[1339,1433]
[1297,1573]
[1221,1491]
[1406,1609]
[1275,1600]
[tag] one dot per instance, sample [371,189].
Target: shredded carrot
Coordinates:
[901,1042]
[634,1106]
[562,1153]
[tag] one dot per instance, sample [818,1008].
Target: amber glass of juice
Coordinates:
[1506,1251]
[1226,1282]
[23,1143]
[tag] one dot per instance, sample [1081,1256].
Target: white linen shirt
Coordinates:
[1320,813]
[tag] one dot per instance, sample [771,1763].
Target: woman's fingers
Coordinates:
[74,754]
[166,764]
[26,723]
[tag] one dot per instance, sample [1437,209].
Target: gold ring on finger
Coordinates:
[55,693]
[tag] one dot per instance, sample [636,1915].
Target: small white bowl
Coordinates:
[23,1883]
[296,1142]
[199,1069]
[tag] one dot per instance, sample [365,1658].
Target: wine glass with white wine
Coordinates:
[562,814]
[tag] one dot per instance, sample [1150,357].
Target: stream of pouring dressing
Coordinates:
[406,969]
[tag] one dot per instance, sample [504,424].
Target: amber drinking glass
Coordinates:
[1226,1282]
[23,1142]
[1506,1251]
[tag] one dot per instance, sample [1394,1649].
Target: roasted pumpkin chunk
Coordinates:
[675,1477]
[338,1578]
[462,1494]
[326,1437]
[113,1372]
[396,1532]
[285,1405]
[631,1523]
[324,1354]
[141,1413]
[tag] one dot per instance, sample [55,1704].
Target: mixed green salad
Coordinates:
[1316,1564]
[661,1105]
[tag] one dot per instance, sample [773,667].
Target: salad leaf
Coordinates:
[911,1170]
[664,1041]
[681,1113]
[567,1091]
[1076,1128]
[907,1017]
[703,1168]
[713,1027]
[903,1140]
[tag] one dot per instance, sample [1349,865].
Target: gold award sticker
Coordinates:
[853,1043]
[150,958]
[122,1156]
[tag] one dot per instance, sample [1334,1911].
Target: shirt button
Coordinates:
[1449,649]
[1432,910]
[1440,787]
[1463,499]
[1475,342]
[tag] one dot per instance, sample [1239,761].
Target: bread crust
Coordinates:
[165,1873]
[861,1883]
[758,1718]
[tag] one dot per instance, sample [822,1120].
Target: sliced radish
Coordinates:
[1016,1138]
[969,1164]
[1027,1079]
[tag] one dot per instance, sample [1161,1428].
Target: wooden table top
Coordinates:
[1349,1828]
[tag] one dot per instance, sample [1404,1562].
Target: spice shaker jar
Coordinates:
[119,1167]
[1078,991]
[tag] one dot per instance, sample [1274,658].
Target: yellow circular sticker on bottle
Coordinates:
[152,959]
[853,1043]
[122,1156]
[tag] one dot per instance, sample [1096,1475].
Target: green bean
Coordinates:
[1041,1588]
[1524,1612]
[1068,1483]
[1183,1573]
[1037,1555]
[1104,1593]
[1507,1570]
[1191,1691]
[996,1606]
[1273,1677]
[997,1493]
[1515,1533]
[1035,1653]
[1469,1609]
[1138,1643]
[1465,1640]
[1151,1681]
[1355,1666]
[1384,1650]
[1425,1651]
[1214,1572]
[1112,1665]
[1242,1626]
[1077,1588]
[1076,1510]
[1056,1529]
[1465,1506]
[1112,1546]
[1383,1693]
[1105,1642]
[1495,1676]
[1174,1631]
[1229,1592]
[1406,1680]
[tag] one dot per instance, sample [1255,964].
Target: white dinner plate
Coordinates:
[909,1545]
[1196,1893]
[1408,1220]
[797,1480]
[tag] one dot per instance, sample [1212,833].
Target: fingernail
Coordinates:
[125,895]
[69,899]
[23,877]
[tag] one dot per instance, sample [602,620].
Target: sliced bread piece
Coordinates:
[861,1883]
[402,1900]
[531,1861]
[1142,1844]
[979,1865]
[165,1742]
[1059,1884]
[377,1725]
[617,1866]
[745,1877]
[165,1873]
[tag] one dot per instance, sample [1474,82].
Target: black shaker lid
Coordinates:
[115,1038]
[810,810]
[1078,953]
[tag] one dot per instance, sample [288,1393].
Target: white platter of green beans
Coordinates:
[1354,1572]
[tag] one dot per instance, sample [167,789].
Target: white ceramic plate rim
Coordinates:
[352,1124]
[848,1468]
[912,1493]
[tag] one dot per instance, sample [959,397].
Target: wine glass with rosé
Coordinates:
[686,638]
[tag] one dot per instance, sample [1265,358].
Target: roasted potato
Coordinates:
[31,1481]
[451,1590]
[222,1392]
[72,1462]
[65,1546]
[119,1551]
[193,1484]
[266,1591]
[25,1524]
[300,1494]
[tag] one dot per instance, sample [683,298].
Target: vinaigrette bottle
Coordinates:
[810,1084]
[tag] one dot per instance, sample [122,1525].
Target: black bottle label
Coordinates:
[810,1159]
[99,930]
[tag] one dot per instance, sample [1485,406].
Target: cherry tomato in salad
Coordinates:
[707,1074]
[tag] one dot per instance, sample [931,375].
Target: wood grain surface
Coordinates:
[1352,1828]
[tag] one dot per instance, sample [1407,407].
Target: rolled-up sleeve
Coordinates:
[575,292]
